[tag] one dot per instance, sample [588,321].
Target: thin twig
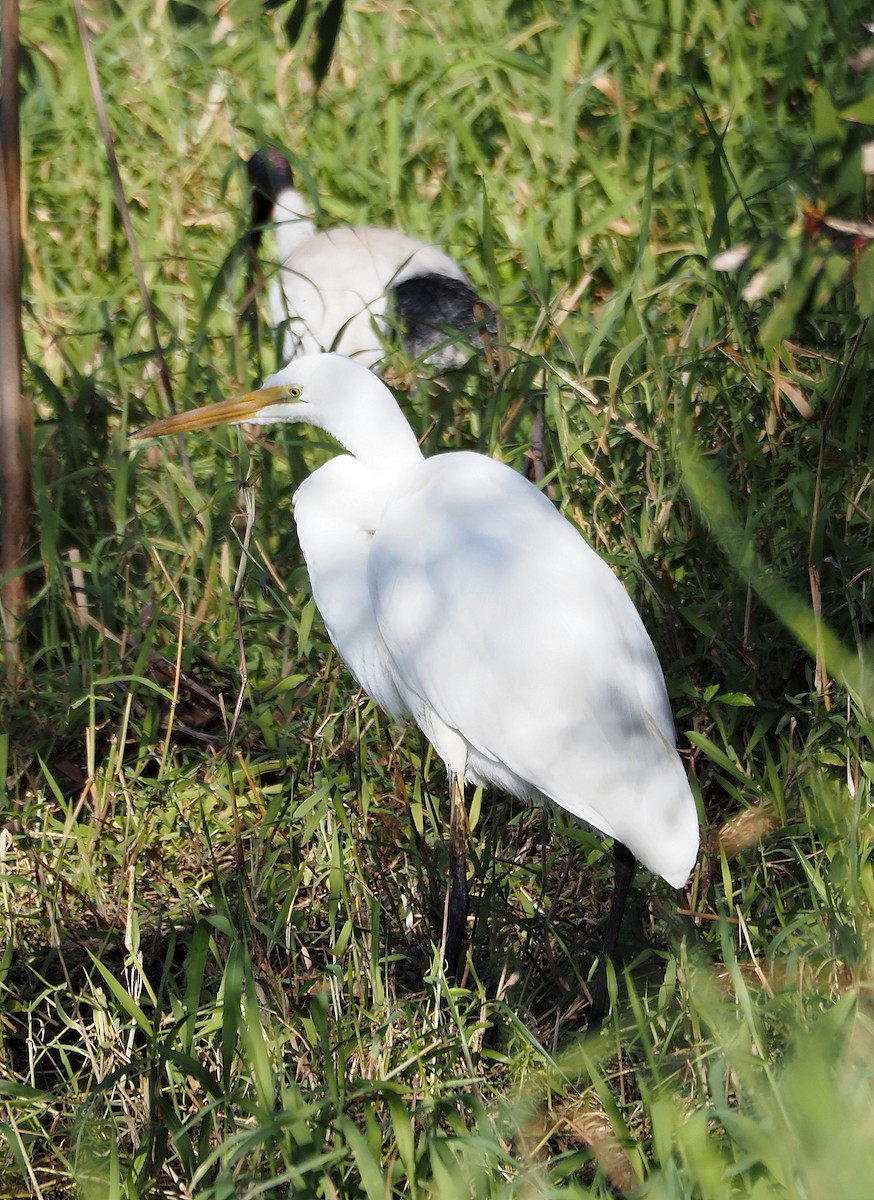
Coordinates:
[249,500]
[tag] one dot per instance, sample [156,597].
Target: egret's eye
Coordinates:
[294,392]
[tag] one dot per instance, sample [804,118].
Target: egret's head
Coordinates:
[304,391]
[329,391]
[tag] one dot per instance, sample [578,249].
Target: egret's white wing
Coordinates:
[336,510]
[501,619]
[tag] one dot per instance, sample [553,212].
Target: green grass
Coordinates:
[217,975]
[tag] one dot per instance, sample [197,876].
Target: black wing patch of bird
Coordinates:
[431,308]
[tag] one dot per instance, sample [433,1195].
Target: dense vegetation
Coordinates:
[218,975]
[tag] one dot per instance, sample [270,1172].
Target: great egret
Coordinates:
[458,596]
[340,289]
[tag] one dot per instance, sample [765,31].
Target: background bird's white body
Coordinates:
[333,289]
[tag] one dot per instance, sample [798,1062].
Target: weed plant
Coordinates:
[218,975]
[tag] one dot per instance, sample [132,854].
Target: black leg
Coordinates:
[624,863]
[457,900]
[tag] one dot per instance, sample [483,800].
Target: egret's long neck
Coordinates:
[293,221]
[376,432]
[350,403]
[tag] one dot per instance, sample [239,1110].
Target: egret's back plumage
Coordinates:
[507,629]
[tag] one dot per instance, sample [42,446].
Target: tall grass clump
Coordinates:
[218,975]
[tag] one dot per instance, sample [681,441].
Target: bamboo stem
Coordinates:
[16,421]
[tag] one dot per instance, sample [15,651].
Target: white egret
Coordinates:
[340,289]
[459,597]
